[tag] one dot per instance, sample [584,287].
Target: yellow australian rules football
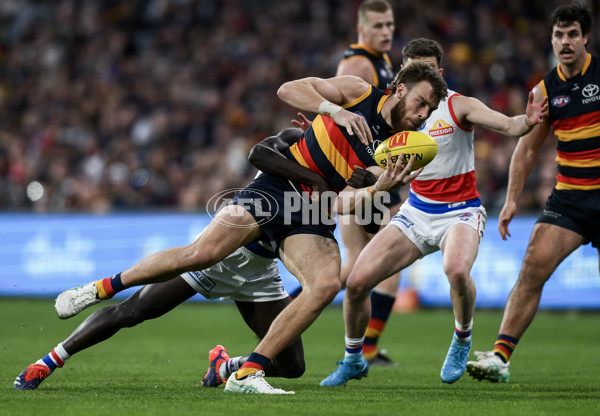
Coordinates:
[408,143]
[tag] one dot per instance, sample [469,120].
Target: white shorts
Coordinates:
[242,276]
[428,231]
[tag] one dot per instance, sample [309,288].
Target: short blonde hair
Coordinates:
[377,6]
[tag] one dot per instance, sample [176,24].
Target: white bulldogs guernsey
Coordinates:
[450,177]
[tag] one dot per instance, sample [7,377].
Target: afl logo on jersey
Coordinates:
[360,114]
[560,101]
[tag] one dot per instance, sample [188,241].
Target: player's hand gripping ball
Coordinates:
[410,143]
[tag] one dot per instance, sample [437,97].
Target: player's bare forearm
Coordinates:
[326,97]
[473,112]
[523,159]
[307,94]
[268,157]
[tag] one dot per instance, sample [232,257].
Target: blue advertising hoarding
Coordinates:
[41,255]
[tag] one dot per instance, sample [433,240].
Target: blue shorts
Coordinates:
[282,210]
[578,211]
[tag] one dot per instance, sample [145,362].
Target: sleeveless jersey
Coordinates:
[329,150]
[382,67]
[450,177]
[574,112]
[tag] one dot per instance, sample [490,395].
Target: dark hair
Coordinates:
[377,6]
[570,13]
[422,48]
[417,72]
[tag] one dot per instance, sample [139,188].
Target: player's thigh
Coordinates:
[388,252]
[548,246]
[231,228]
[313,259]
[459,249]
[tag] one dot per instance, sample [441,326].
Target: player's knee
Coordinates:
[200,257]
[357,286]
[321,292]
[458,276]
[326,291]
[295,367]
[533,274]
[289,365]
[531,280]
[296,371]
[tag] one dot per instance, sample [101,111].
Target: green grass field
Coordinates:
[157,367]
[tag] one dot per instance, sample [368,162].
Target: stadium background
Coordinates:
[128,107]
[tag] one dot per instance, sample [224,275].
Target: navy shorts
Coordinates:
[578,211]
[394,199]
[282,210]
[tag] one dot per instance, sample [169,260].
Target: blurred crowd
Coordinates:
[154,104]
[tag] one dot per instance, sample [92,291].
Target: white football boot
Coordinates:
[70,302]
[253,384]
[488,367]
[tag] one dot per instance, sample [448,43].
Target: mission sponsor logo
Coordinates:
[440,128]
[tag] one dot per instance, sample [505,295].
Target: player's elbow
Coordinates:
[256,154]
[284,91]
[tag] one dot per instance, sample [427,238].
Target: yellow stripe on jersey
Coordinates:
[359,99]
[297,155]
[381,102]
[570,187]
[580,163]
[329,150]
[580,133]
[587,64]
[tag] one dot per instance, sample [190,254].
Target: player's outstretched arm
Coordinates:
[268,157]
[473,112]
